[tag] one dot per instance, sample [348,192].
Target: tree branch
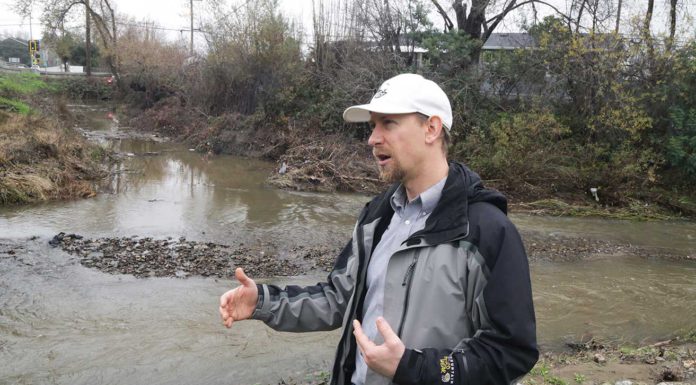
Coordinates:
[448,22]
[511,7]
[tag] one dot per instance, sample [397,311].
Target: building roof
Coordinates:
[509,41]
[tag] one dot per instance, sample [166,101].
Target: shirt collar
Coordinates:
[428,198]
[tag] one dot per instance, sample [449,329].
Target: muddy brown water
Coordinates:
[63,323]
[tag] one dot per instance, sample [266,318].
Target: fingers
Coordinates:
[242,278]
[360,337]
[226,318]
[386,331]
[225,308]
[225,298]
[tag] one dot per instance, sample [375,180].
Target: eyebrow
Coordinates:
[381,118]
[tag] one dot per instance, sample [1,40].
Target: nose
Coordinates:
[375,136]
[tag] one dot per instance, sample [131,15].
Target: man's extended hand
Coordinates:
[239,303]
[383,359]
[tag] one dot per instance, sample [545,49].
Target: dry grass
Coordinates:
[40,160]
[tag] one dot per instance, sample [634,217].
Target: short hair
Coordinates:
[446,136]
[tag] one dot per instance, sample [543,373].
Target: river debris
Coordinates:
[335,163]
[554,247]
[147,257]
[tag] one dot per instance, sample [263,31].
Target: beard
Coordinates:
[392,172]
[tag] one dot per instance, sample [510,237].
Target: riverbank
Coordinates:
[309,159]
[42,157]
[671,362]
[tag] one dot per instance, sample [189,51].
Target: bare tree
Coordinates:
[479,18]
[101,13]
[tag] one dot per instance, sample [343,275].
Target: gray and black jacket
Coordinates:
[458,292]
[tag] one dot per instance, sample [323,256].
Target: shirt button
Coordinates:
[407,222]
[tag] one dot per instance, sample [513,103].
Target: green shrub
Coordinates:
[681,147]
[14,105]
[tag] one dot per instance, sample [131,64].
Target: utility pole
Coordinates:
[88,41]
[191,49]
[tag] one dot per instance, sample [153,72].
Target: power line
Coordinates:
[153,26]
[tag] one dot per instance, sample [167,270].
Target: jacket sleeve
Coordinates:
[503,347]
[310,308]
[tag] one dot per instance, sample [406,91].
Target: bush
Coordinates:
[681,147]
[524,153]
[84,88]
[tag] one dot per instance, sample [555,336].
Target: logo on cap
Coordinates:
[380,93]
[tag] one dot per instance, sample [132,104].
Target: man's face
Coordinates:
[397,142]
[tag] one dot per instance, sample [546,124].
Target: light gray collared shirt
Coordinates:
[409,217]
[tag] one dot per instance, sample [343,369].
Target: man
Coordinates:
[433,287]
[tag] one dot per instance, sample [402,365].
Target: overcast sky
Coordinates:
[174,14]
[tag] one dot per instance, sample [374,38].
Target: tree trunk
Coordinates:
[88,41]
[473,24]
[460,11]
[618,17]
[648,17]
[595,10]
[579,19]
[647,37]
[672,23]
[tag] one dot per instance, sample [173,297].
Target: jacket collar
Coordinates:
[449,220]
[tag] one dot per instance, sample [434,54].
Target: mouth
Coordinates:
[382,159]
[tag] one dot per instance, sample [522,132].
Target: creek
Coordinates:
[63,323]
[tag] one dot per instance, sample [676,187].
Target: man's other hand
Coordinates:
[239,303]
[383,359]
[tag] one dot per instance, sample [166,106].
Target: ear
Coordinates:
[433,129]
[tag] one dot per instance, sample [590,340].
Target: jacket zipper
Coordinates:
[408,279]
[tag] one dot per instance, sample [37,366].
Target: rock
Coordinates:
[599,358]
[671,373]
[673,383]
[57,239]
[624,382]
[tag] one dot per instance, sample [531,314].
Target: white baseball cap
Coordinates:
[403,94]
